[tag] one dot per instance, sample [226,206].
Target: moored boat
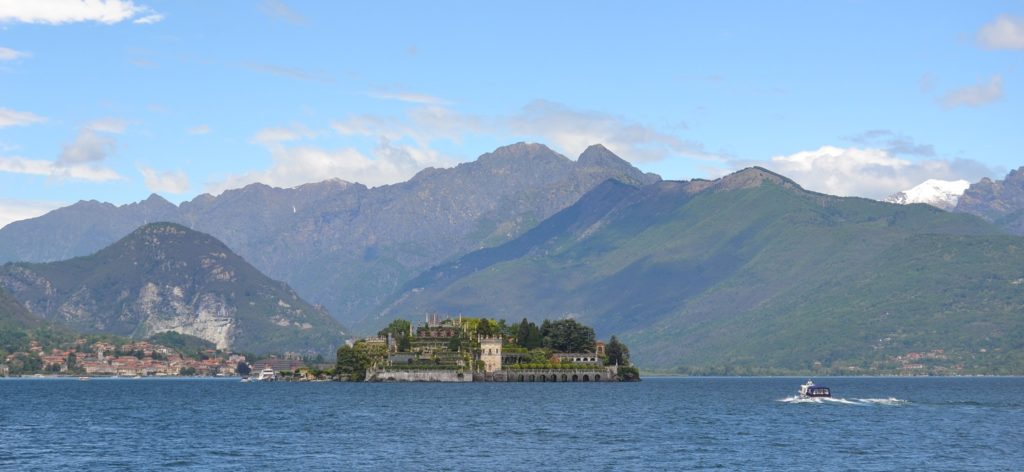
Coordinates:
[810,390]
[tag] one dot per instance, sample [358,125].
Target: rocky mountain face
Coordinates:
[748,270]
[14,315]
[999,201]
[165,277]
[942,194]
[341,244]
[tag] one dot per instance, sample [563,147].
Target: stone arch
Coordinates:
[586,378]
[554,378]
[532,378]
[543,378]
[565,378]
[575,378]
[597,377]
[520,377]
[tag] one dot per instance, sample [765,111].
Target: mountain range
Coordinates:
[751,271]
[165,277]
[340,244]
[747,271]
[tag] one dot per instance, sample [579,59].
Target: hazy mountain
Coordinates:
[14,315]
[749,270]
[165,277]
[340,244]
[937,193]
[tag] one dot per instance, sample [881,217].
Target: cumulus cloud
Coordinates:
[975,95]
[8,54]
[87,147]
[10,117]
[57,12]
[864,172]
[164,181]
[1005,32]
[91,173]
[17,210]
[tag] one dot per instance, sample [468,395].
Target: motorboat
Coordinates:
[267,374]
[810,390]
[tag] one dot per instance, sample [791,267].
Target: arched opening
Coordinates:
[565,378]
[520,377]
[597,377]
[543,378]
[586,378]
[554,378]
[575,378]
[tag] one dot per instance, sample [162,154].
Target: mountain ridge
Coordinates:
[166,277]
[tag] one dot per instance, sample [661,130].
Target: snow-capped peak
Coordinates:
[938,193]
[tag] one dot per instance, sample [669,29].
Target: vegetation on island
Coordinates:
[455,345]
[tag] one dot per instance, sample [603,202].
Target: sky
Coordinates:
[113,100]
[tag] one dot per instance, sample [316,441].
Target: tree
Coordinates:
[484,328]
[352,363]
[567,336]
[528,335]
[242,368]
[616,352]
[399,329]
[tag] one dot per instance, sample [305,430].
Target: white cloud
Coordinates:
[8,54]
[303,164]
[10,117]
[56,12]
[565,129]
[149,19]
[270,136]
[91,173]
[1005,32]
[408,143]
[406,97]
[199,129]
[107,125]
[571,131]
[87,147]
[975,95]
[164,181]
[17,210]
[864,172]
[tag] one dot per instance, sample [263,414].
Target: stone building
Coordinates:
[490,352]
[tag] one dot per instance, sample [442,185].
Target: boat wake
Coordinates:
[891,401]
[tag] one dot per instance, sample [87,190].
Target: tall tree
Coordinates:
[616,352]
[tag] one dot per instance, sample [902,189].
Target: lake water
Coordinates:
[658,424]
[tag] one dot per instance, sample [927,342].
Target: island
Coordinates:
[465,349]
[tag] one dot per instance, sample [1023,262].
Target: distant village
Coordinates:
[440,349]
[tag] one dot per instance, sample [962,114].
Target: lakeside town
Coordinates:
[440,349]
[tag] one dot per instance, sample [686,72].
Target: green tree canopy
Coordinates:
[616,352]
[352,363]
[567,336]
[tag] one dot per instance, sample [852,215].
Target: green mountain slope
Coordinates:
[750,272]
[165,277]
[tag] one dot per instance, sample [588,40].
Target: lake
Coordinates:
[658,424]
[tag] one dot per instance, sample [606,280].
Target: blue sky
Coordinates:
[113,100]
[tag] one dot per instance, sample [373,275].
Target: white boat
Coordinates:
[809,390]
[267,374]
